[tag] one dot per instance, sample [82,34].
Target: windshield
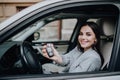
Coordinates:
[27,32]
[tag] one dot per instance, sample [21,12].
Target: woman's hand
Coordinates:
[56,57]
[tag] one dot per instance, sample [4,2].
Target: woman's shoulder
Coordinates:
[74,51]
[93,54]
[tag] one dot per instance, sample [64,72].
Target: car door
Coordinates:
[72,10]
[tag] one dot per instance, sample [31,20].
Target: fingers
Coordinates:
[56,57]
[44,51]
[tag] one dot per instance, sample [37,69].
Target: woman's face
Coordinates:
[86,37]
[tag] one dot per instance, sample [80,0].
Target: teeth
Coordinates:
[83,42]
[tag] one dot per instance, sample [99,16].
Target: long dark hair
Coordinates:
[96,31]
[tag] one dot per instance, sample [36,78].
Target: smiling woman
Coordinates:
[85,57]
[88,37]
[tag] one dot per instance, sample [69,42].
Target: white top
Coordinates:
[77,61]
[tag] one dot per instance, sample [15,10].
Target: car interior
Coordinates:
[20,57]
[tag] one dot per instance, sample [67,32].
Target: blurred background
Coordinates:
[11,7]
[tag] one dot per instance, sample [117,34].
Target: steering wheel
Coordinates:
[29,59]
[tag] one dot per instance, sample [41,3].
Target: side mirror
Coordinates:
[36,35]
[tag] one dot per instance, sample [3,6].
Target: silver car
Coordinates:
[58,21]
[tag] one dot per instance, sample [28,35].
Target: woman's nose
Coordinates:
[83,37]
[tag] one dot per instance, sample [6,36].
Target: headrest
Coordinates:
[108,27]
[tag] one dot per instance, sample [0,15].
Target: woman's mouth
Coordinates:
[84,42]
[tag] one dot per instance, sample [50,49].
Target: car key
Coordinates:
[49,50]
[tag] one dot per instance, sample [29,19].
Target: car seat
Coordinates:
[107,26]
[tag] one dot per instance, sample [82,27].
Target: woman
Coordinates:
[85,56]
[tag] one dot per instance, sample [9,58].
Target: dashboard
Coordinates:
[9,57]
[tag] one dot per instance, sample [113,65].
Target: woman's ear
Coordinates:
[95,41]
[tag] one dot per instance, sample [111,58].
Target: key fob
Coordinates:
[49,50]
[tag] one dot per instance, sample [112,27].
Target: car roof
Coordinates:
[39,5]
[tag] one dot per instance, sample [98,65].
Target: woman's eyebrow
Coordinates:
[88,32]
[85,32]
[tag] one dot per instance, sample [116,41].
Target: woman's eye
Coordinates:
[88,34]
[81,33]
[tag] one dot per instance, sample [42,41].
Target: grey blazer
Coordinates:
[77,61]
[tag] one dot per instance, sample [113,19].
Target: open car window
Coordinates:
[21,36]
